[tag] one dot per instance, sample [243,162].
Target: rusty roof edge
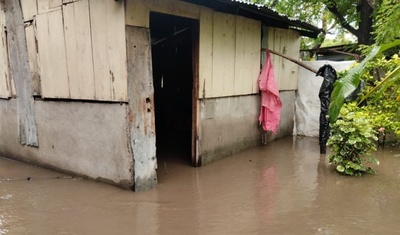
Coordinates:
[259,12]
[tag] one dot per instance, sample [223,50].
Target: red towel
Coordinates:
[270,102]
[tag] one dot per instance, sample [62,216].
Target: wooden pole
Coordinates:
[19,68]
[293,60]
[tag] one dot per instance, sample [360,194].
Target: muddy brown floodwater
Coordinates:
[285,187]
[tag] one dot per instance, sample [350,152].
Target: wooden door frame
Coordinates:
[196,162]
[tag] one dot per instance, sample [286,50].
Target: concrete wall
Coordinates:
[88,139]
[230,125]
[91,139]
[287,116]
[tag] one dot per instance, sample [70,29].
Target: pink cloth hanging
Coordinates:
[270,102]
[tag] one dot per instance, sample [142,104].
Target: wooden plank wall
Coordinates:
[230,46]
[76,49]
[34,69]
[224,53]
[286,42]
[206,53]
[230,49]
[109,46]
[138,11]
[79,50]
[248,55]
[53,60]
[5,84]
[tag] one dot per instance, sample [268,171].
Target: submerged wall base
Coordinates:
[92,139]
[230,125]
[84,138]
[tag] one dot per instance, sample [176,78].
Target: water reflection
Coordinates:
[286,187]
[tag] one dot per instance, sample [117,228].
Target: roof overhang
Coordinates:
[264,14]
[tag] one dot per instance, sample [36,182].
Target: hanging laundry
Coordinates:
[270,102]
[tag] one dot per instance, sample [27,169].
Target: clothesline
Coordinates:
[291,59]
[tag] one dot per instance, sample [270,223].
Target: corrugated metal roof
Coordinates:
[266,15]
[260,6]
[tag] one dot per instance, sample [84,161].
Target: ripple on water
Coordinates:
[6,197]
[2,223]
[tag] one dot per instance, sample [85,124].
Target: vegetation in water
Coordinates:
[356,124]
[352,141]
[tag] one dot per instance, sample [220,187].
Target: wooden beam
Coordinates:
[169,37]
[19,68]
[293,60]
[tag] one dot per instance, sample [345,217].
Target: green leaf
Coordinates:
[340,168]
[351,141]
[345,86]
[349,171]
[389,80]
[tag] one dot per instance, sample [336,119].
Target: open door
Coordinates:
[175,67]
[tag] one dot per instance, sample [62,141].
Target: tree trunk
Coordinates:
[365,26]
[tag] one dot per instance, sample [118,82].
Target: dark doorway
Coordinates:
[173,43]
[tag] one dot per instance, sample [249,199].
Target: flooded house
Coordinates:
[100,88]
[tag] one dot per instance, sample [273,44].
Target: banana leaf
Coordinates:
[345,86]
[390,78]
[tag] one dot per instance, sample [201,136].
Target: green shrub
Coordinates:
[352,141]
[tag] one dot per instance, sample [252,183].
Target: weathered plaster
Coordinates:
[230,125]
[287,116]
[87,139]
[141,107]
